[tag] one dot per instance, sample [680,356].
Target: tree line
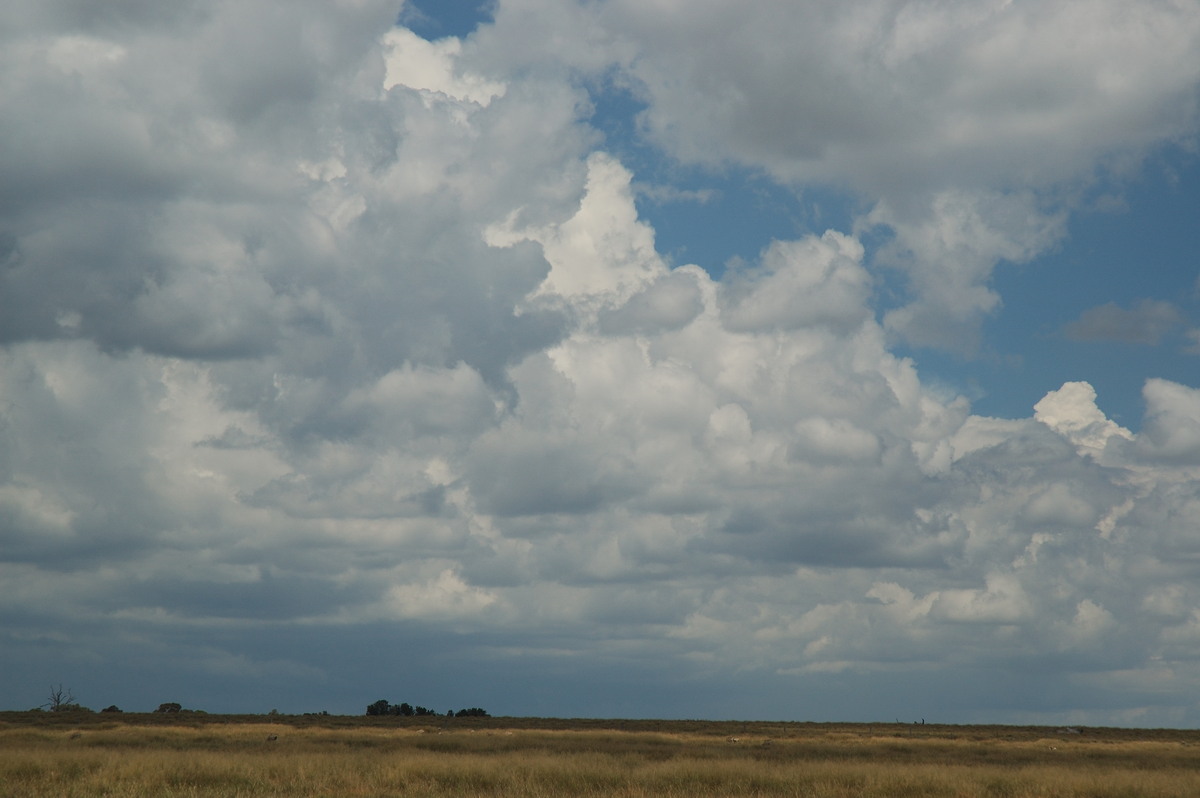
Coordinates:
[384,707]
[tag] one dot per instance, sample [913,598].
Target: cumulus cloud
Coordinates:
[416,63]
[315,332]
[902,95]
[1171,429]
[1072,412]
[802,284]
[967,126]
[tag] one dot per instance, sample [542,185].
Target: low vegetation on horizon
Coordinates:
[156,754]
[62,699]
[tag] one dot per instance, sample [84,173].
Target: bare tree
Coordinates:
[60,699]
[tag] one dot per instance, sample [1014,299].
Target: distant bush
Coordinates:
[112,708]
[169,707]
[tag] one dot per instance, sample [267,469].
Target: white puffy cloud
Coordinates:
[1072,412]
[315,331]
[1172,426]
[420,64]
[600,257]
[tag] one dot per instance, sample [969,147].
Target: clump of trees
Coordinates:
[173,707]
[473,712]
[384,707]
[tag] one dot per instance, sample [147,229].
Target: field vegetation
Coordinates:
[89,754]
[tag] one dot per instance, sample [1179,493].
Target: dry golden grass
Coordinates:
[512,757]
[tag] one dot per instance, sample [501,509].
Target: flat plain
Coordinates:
[194,754]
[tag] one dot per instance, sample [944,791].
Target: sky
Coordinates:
[603,358]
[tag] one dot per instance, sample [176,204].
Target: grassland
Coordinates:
[68,754]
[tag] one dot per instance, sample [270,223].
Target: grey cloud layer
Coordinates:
[311,327]
[1145,323]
